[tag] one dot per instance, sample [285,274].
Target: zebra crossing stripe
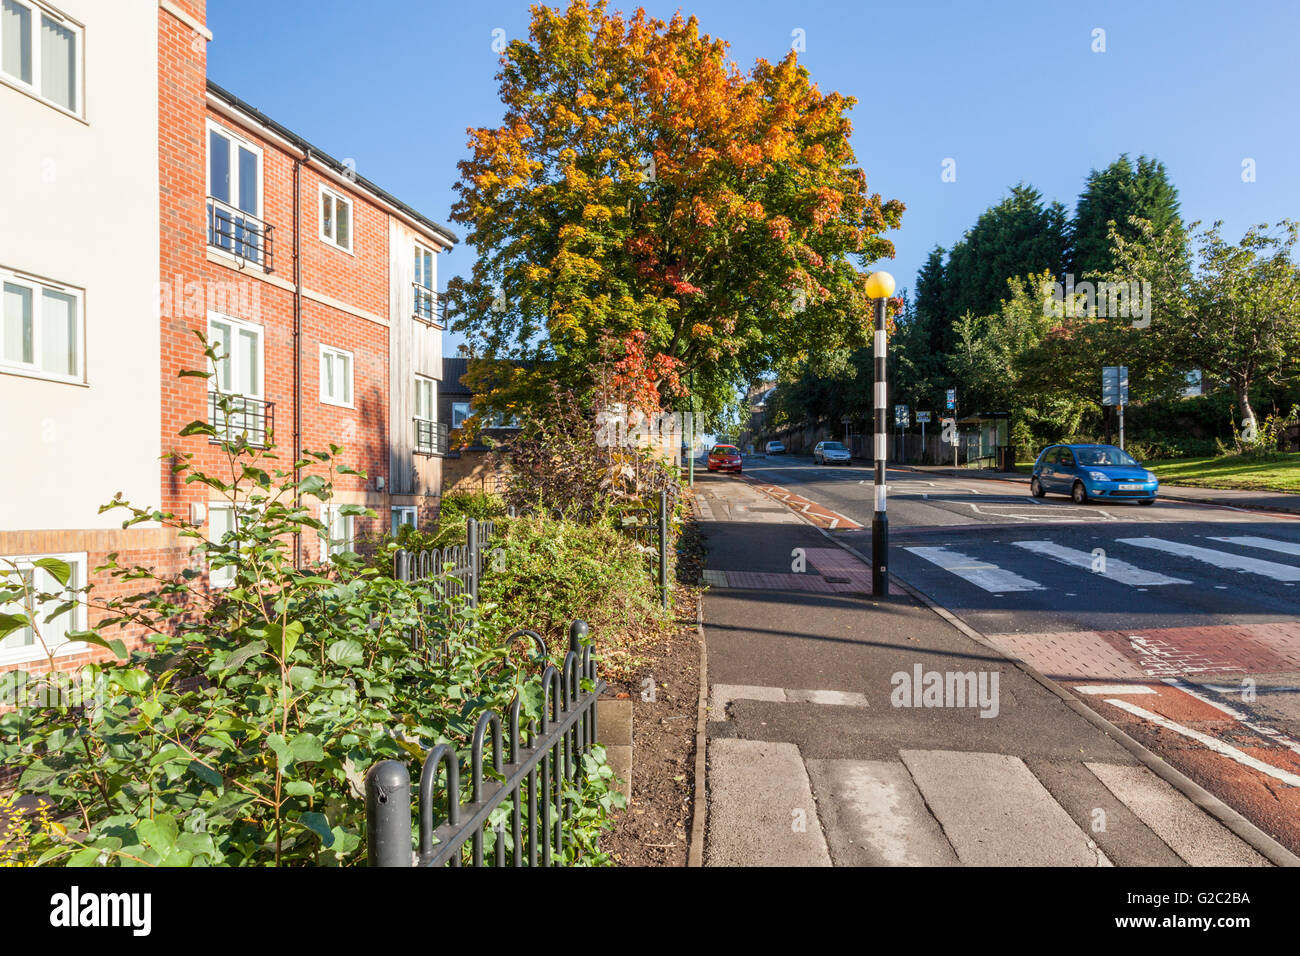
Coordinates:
[1218,559]
[1115,570]
[1269,544]
[990,577]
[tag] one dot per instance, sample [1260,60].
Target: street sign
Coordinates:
[951,401]
[901,416]
[1114,385]
[922,417]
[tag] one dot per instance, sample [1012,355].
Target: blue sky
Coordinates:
[1010,91]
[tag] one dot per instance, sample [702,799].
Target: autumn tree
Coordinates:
[641,182]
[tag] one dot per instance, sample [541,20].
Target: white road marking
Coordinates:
[1218,559]
[1211,743]
[1114,689]
[990,577]
[1269,544]
[1262,729]
[721,695]
[1116,570]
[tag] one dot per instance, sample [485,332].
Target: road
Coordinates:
[1179,622]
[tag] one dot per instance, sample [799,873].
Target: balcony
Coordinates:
[241,234]
[429,309]
[430,437]
[239,416]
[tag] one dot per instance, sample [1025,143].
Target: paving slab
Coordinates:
[994,811]
[761,807]
[874,815]
[1188,830]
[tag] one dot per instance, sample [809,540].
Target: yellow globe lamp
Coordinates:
[880,285]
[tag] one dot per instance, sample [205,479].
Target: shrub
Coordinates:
[543,568]
[241,735]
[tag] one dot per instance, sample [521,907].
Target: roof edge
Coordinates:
[281,130]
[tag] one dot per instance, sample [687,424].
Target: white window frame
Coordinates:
[34,651]
[401,512]
[330,545]
[338,197]
[221,577]
[432,383]
[37,288]
[236,326]
[423,251]
[33,88]
[327,399]
[235,140]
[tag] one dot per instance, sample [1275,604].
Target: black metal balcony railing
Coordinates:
[430,437]
[427,307]
[241,234]
[234,416]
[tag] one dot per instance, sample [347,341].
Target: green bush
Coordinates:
[543,568]
[241,735]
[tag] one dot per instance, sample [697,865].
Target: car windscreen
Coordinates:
[1106,455]
[832,446]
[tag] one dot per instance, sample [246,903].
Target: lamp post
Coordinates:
[880,286]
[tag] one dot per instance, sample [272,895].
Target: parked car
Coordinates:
[1092,471]
[725,458]
[775,448]
[831,453]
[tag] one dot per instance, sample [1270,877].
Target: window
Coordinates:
[235,195]
[426,393]
[335,376]
[22,644]
[41,328]
[459,412]
[423,266]
[339,529]
[239,356]
[237,373]
[403,515]
[336,219]
[222,520]
[425,300]
[40,51]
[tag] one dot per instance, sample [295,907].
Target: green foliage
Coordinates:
[1236,316]
[1114,196]
[543,568]
[479,505]
[1019,236]
[241,734]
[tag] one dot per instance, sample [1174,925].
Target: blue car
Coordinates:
[1085,472]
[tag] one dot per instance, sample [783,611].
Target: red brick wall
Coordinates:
[359,280]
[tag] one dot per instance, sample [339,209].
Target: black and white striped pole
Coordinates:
[880,286]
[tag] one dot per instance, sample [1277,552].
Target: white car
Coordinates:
[831,453]
[775,448]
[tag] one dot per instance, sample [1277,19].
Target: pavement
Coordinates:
[848,731]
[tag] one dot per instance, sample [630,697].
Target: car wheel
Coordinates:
[1147,501]
[1079,493]
[1036,487]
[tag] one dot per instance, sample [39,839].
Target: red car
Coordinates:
[725,458]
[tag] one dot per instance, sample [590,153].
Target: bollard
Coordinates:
[663,545]
[388,814]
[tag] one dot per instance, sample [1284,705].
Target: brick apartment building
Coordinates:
[141,203]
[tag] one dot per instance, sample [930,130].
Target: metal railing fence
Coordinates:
[534,769]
